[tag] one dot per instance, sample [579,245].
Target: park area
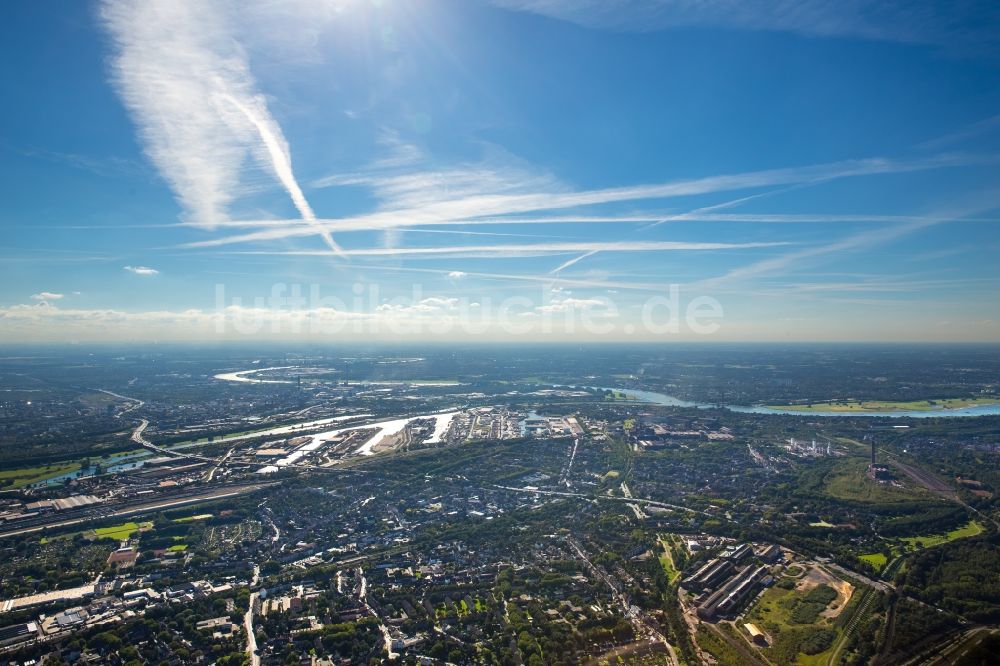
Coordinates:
[121,532]
[800,617]
[911,544]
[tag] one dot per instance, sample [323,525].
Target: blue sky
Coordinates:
[533,169]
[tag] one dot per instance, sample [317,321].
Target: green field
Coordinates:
[667,558]
[970,529]
[177,548]
[121,532]
[847,481]
[791,619]
[188,519]
[821,523]
[889,406]
[25,476]
[877,560]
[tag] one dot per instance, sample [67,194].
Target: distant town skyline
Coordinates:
[500,171]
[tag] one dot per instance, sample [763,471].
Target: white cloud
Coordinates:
[432,305]
[485,195]
[187,82]
[456,275]
[398,153]
[860,241]
[141,270]
[693,216]
[398,184]
[441,302]
[568,304]
[524,250]
[46,296]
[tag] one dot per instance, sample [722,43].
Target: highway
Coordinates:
[137,405]
[222,461]
[138,438]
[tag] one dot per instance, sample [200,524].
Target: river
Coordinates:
[670,401]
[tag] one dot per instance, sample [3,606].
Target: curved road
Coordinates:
[248,626]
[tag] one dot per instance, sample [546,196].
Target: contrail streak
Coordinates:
[281,163]
[572,261]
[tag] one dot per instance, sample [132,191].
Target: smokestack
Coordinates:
[873,453]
